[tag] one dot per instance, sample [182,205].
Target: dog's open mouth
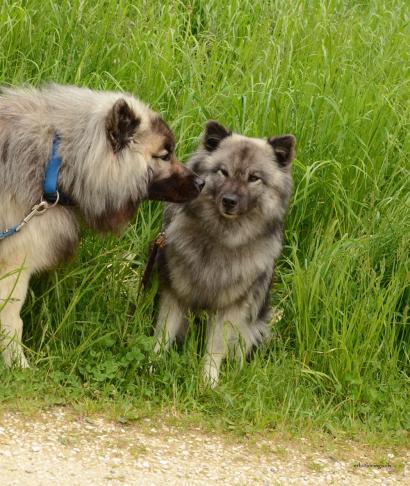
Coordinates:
[229,215]
[231,205]
[229,208]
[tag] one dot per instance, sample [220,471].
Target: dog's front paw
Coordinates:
[14,357]
[211,375]
[157,347]
[23,363]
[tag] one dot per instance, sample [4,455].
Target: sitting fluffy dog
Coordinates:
[221,247]
[103,152]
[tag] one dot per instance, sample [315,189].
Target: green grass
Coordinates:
[334,73]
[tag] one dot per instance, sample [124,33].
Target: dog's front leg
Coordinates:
[221,335]
[13,290]
[171,318]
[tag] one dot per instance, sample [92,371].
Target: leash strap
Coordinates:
[8,232]
[36,210]
[159,242]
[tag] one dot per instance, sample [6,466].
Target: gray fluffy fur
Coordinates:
[223,263]
[113,148]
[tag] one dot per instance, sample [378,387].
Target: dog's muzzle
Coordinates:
[178,188]
[229,205]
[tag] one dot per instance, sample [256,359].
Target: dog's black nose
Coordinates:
[230,201]
[199,183]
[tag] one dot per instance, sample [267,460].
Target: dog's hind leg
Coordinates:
[253,334]
[13,290]
[171,319]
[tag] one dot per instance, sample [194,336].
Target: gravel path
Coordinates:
[59,447]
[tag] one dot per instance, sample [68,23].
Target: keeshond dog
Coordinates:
[221,247]
[113,152]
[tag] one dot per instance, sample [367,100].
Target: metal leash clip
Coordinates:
[37,210]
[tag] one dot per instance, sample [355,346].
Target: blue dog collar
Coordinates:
[50,191]
[51,197]
[50,185]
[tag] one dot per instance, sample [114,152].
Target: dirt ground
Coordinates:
[60,447]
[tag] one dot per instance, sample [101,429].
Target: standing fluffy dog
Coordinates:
[114,152]
[221,247]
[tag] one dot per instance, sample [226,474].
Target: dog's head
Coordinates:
[147,138]
[246,178]
[135,162]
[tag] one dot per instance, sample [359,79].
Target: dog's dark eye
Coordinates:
[166,157]
[222,172]
[253,178]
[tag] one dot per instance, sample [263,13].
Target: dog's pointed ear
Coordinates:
[214,134]
[121,124]
[284,148]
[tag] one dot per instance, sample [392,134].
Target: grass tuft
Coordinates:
[332,72]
